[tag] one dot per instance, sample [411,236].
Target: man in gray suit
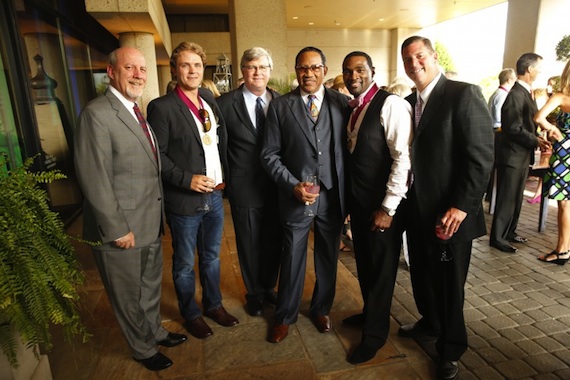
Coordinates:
[305,133]
[253,195]
[119,172]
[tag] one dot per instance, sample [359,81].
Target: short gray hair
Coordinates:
[256,53]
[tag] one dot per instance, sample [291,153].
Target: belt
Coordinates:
[220,186]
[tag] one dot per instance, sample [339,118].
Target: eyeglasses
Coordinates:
[313,68]
[205,116]
[254,68]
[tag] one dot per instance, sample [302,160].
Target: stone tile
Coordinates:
[472,360]
[557,311]
[538,315]
[483,330]
[526,304]
[530,347]
[496,298]
[550,344]
[473,314]
[522,319]
[491,355]
[490,311]
[513,335]
[487,373]
[500,322]
[507,348]
[292,370]
[551,326]
[515,369]
[546,363]
[543,299]
[508,309]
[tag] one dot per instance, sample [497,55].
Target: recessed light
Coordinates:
[295,17]
[311,23]
[380,19]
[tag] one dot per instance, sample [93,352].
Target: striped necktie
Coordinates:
[418,111]
[259,115]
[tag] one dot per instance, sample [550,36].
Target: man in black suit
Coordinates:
[452,157]
[379,138]
[193,142]
[252,194]
[516,143]
[305,133]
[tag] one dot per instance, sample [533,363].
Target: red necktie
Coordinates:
[144,127]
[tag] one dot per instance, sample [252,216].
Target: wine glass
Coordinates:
[441,235]
[206,204]
[311,186]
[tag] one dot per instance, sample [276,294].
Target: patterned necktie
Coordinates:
[259,115]
[418,111]
[144,127]
[313,107]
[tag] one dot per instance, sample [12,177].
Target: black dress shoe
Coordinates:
[270,298]
[222,317]
[254,307]
[172,340]
[198,328]
[447,370]
[362,354]
[156,363]
[356,320]
[415,330]
[518,239]
[504,247]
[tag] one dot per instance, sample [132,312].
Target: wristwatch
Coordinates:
[389,211]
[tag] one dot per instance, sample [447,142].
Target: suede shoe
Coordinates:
[156,362]
[198,328]
[172,340]
[322,323]
[278,333]
[447,370]
[222,317]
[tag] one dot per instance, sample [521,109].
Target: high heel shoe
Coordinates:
[559,260]
[534,200]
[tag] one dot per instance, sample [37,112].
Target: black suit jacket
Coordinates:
[181,149]
[517,139]
[452,156]
[248,183]
[289,152]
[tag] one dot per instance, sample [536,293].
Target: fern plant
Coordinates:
[39,272]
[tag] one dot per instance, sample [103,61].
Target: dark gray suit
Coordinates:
[515,145]
[120,179]
[293,147]
[452,157]
[253,199]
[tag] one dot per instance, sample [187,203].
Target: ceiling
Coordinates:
[351,14]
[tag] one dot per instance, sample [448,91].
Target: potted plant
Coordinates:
[39,272]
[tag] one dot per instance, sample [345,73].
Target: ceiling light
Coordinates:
[311,23]
[295,17]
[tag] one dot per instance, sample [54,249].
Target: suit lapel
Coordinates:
[125,116]
[241,112]
[299,111]
[187,114]
[433,104]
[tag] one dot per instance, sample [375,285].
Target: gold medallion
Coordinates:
[207,139]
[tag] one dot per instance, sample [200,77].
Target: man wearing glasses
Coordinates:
[192,140]
[305,135]
[252,194]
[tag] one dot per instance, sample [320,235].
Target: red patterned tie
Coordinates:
[144,127]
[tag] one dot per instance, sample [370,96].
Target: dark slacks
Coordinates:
[327,228]
[377,256]
[132,279]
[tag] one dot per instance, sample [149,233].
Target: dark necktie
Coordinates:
[259,115]
[144,127]
[313,108]
[418,111]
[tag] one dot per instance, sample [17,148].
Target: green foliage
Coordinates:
[563,49]
[443,57]
[39,272]
[281,85]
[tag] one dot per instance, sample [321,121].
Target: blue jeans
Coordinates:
[202,231]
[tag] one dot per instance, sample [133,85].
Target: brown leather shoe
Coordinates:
[322,323]
[278,333]
[222,317]
[198,328]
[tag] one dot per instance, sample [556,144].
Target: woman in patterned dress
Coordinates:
[557,179]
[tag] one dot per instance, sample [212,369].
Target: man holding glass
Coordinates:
[305,135]
[192,139]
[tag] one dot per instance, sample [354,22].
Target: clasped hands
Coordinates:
[303,195]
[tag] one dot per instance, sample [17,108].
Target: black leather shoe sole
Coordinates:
[156,363]
[172,340]
[447,370]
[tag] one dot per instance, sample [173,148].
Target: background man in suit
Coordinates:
[252,194]
[113,151]
[514,153]
[379,138]
[305,133]
[452,157]
[507,78]
[193,141]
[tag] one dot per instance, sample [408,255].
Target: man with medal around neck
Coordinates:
[193,141]
[379,138]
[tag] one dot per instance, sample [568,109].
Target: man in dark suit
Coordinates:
[115,148]
[516,143]
[452,157]
[252,194]
[379,138]
[193,141]
[305,134]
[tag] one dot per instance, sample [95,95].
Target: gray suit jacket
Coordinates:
[289,152]
[118,174]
